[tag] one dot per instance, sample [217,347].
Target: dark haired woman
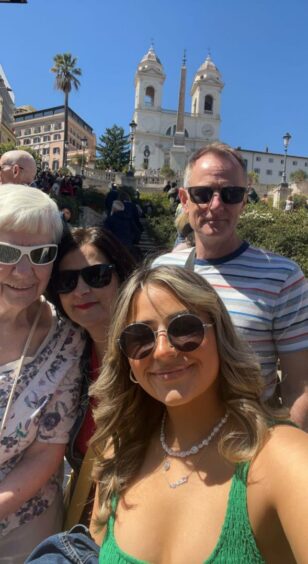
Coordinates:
[90,267]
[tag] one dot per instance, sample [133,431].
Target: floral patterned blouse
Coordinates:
[44,409]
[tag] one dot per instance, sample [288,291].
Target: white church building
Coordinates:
[170,137]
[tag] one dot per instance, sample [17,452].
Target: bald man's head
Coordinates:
[17,167]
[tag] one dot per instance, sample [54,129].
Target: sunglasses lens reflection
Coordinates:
[185,333]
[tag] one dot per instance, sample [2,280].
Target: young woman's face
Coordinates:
[88,307]
[167,374]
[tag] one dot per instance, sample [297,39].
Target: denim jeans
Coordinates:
[75,546]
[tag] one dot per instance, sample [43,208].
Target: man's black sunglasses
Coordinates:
[96,276]
[228,194]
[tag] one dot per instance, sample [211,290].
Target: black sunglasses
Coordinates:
[228,194]
[185,333]
[96,276]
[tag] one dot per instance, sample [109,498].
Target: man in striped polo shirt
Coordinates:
[265,294]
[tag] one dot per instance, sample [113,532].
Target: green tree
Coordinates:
[113,149]
[5,147]
[253,177]
[66,73]
[167,172]
[298,175]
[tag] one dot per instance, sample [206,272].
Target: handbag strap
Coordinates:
[81,492]
[190,261]
[19,368]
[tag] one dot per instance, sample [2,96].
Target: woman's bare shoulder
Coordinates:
[284,455]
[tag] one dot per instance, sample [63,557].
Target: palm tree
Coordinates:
[66,77]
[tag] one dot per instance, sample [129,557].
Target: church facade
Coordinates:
[170,137]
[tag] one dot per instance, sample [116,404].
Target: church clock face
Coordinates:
[207,130]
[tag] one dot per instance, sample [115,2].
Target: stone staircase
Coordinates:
[147,244]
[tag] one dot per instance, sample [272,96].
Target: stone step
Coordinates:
[147,244]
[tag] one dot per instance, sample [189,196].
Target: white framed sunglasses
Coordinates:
[37,254]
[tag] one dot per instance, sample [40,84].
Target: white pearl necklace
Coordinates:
[195,448]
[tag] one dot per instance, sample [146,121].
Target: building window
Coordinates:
[55,165]
[37,129]
[257,170]
[306,164]
[282,161]
[27,131]
[208,104]
[294,163]
[195,106]
[270,160]
[57,125]
[27,141]
[18,133]
[269,172]
[280,173]
[47,127]
[46,151]
[149,97]
[56,137]
[56,151]
[46,138]
[258,158]
[36,140]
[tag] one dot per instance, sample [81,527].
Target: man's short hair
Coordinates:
[217,148]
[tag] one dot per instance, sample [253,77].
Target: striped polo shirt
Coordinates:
[265,294]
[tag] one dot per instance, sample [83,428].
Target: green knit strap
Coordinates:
[236,542]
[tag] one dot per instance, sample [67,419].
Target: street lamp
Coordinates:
[84,143]
[133,127]
[286,140]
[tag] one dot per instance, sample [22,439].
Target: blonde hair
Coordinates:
[126,416]
[29,209]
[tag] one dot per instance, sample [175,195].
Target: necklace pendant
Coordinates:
[179,482]
[166,465]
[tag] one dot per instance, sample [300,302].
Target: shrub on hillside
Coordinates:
[276,231]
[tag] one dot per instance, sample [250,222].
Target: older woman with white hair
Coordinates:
[39,374]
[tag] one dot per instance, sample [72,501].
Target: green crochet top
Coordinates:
[236,544]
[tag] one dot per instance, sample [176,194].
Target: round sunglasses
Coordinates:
[185,333]
[37,254]
[96,276]
[228,194]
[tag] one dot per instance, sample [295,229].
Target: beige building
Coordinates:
[7,106]
[43,131]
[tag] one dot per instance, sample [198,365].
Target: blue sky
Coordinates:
[260,48]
